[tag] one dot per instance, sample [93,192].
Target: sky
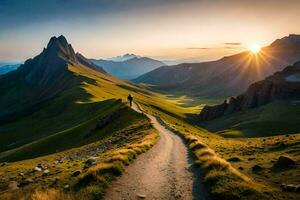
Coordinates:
[183,30]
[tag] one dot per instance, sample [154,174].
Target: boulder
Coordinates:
[284,162]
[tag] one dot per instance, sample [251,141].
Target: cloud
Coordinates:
[199,48]
[233,43]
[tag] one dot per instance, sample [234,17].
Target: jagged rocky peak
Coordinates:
[51,65]
[61,47]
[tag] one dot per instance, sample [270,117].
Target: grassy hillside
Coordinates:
[281,117]
[67,120]
[113,152]
[229,165]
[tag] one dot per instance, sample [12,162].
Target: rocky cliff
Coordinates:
[280,86]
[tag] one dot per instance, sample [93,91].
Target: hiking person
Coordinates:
[130,99]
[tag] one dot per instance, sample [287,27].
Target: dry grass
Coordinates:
[94,182]
[51,194]
[220,178]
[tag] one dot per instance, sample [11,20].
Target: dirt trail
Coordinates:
[164,172]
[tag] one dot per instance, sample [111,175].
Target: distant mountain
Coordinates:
[7,68]
[129,66]
[123,58]
[225,77]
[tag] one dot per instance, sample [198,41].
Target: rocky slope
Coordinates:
[228,76]
[280,86]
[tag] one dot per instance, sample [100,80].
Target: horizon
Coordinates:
[149,99]
[187,31]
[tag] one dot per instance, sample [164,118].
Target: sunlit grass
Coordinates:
[107,87]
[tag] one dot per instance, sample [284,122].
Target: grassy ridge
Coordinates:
[274,118]
[78,135]
[132,140]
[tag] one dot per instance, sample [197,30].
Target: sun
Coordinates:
[255,48]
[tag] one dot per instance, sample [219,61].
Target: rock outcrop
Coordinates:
[280,86]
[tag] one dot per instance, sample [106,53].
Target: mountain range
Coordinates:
[228,76]
[123,57]
[128,66]
[7,68]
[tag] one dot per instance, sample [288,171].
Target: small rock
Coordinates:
[42,166]
[141,196]
[76,173]
[21,174]
[37,169]
[178,195]
[91,161]
[66,186]
[46,172]
[257,168]
[25,181]
[288,188]
[56,162]
[234,159]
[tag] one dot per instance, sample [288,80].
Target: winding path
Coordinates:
[164,172]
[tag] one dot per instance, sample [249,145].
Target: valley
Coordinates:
[67,132]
